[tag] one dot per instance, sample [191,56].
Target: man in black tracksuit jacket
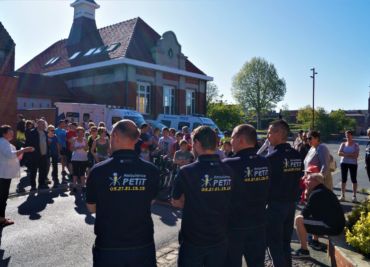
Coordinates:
[247,227]
[286,172]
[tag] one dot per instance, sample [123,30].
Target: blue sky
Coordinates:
[219,36]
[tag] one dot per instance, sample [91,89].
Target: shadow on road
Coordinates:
[168,215]
[82,209]
[37,202]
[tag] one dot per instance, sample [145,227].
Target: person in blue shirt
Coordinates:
[120,191]
[203,190]
[61,134]
[247,234]
[286,172]
[54,152]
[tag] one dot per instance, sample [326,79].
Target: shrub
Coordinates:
[358,228]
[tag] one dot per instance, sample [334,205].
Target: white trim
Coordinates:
[128,61]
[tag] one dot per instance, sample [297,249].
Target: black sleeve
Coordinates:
[178,186]
[312,202]
[91,188]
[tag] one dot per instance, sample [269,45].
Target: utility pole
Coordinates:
[313,97]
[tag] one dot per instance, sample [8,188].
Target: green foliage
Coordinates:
[226,116]
[358,229]
[258,87]
[327,124]
[212,93]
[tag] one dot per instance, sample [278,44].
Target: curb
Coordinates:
[341,255]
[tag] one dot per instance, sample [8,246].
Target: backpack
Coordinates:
[332,164]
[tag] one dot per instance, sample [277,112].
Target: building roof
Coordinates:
[6,41]
[135,40]
[36,85]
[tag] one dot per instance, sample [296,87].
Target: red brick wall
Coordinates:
[192,80]
[145,72]
[170,76]
[8,100]
[157,100]
[32,114]
[181,102]
[200,107]
[131,95]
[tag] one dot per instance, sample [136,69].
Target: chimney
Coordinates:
[84,33]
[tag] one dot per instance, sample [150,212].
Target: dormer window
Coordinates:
[112,47]
[52,61]
[99,50]
[76,54]
[89,53]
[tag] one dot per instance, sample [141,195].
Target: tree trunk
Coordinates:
[258,115]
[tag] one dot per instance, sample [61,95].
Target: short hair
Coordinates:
[79,128]
[185,129]
[51,127]
[317,176]
[247,132]
[93,128]
[101,130]
[173,131]
[101,124]
[91,124]
[144,125]
[314,134]
[61,121]
[179,134]
[349,132]
[29,123]
[74,124]
[4,129]
[206,136]
[164,129]
[282,126]
[127,128]
[183,142]
[156,130]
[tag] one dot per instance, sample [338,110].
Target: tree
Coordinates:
[342,121]
[257,86]
[212,93]
[226,116]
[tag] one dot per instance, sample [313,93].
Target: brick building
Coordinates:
[8,83]
[127,64]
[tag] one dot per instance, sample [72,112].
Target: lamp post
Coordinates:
[313,97]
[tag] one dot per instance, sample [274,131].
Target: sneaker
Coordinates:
[354,199]
[342,198]
[301,253]
[316,245]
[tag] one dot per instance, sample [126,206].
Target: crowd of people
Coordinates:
[237,198]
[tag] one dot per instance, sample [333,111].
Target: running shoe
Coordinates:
[342,198]
[354,199]
[301,253]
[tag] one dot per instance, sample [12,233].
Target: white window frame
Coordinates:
[190,101]
[168,99]
[143,90]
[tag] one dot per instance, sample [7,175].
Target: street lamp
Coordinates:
[313,97]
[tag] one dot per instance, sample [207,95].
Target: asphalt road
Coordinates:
[55,229]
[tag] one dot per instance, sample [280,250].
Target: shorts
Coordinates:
[79,168]
[318,227]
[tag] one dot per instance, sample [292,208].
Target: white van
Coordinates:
[83,113]
[179,121]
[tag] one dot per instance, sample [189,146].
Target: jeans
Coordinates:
[250,243]
[4,193]
[280,216]
[192,256]
[137,257]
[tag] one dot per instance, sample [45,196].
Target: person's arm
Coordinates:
[91,192]
[93,150]
[340,150]
[178,196]
[324,158]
